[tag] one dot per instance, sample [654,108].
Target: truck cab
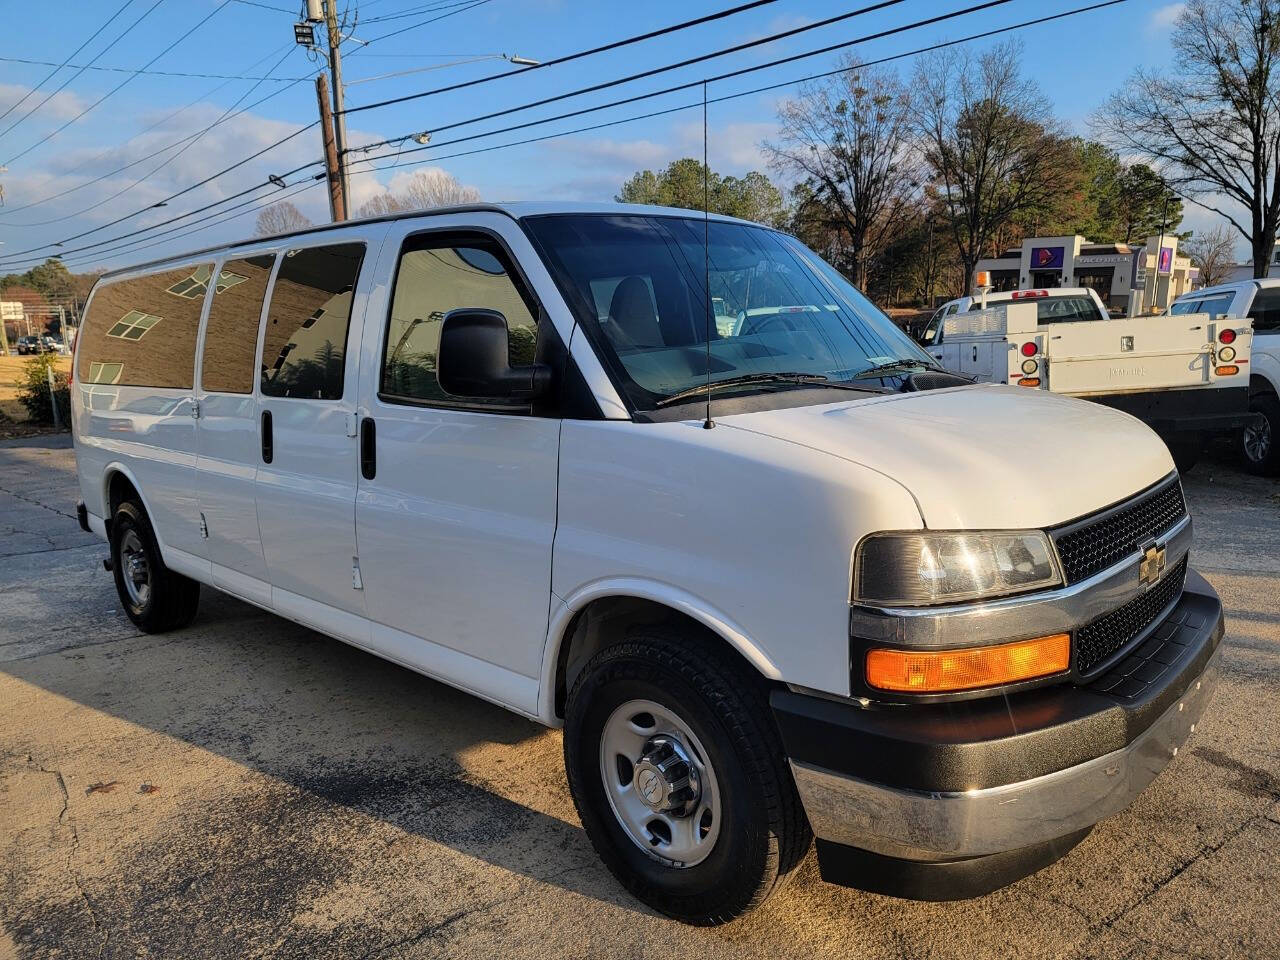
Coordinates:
[1259,302]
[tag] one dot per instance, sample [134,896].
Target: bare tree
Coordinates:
[849,138]
[1214,253]
[281,217]
[426,190]
[991,144]
[1213,127]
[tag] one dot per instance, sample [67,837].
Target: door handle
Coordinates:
[268,442]
[368,448]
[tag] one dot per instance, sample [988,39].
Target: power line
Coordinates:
[65,83]
[718,15]
[470,5]
[267,6]
[145,73]
[119,86]
[568,58]
[191,141]
[93,36]
[130,246]
[416,11]
[155,153]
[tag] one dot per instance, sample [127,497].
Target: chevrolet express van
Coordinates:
[677,486]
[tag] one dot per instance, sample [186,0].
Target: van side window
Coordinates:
[305,347]
[231,332]
[142,332]
[436,274]
[1265,311]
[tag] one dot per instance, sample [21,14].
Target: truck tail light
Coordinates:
[1227,336]
[1029,382]
[1226,354]
[1230,370]
[1029,348]
[969,668]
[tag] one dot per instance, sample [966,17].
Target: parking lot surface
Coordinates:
[247,787]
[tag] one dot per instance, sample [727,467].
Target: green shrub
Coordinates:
[33,391]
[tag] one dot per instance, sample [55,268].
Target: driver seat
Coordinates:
[634,320]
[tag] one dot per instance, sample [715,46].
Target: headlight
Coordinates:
[918,569]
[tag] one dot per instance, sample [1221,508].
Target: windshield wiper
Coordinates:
[894,366]
[747,379]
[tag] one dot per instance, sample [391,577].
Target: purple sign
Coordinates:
[1047,258]
[1166,260]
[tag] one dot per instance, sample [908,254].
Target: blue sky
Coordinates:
[1076,64]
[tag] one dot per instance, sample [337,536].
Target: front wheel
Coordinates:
[1258,448]
[679,776]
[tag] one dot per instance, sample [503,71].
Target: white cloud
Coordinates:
[1163,18]
[61,106]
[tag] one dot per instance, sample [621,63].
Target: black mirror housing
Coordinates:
[473,361]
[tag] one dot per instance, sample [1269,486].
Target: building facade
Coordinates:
[1130,278]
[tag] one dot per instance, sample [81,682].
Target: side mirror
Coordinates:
[473,360]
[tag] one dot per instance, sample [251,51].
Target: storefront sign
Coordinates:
[1166,259]
[1047,258]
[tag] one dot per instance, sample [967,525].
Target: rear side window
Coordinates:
[438,274]
[142,332]
[1265,311]
[305,346]
[231,333]
[1067,310]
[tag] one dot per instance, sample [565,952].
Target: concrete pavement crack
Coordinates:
[43,506]
[71,853]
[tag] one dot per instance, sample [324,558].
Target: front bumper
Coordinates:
[940,784]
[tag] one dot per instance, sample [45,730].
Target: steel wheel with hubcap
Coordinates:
[155,598]
[660,784]
[1257,438]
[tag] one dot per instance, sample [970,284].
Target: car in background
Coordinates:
[1259,301]
[27,345]
[1059,305]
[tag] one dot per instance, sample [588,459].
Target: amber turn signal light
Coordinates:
[943,671]
[1029,382]
[1230,370]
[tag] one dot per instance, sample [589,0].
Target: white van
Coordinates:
[775,582]
[1259,301]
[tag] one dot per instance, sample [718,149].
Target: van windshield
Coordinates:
[638,286]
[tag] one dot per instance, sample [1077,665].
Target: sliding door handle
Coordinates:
[268,441]
[368,448]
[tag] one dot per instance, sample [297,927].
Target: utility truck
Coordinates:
[1187,377]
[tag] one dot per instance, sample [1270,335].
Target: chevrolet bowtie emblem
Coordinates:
[1151,567]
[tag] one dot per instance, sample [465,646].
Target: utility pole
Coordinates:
[339,116]
[337,191]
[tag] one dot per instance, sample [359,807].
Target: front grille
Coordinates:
[1099,641]
[1090,546]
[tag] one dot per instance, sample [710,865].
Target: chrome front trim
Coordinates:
[1016,618]
[914,825]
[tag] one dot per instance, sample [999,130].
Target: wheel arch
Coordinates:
[599,614]
[118,481]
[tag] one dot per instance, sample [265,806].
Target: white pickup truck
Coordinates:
[1188,379]
[1258,301]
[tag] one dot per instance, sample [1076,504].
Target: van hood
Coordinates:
[983,457]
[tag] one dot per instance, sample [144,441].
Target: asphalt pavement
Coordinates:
[246,787]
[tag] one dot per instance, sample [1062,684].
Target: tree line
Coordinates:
[906,183]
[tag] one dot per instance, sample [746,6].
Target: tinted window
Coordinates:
[436,275]
[231,333]
[305,346]
[1066,310]
[142,332]
[1265,312]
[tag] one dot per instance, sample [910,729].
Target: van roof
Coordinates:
[1231,286]
[516,210]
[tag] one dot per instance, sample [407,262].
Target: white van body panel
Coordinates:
[1264,359]
[711,521]
[1007,452]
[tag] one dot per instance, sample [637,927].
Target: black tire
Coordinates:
[763,833]
[1260,453]
[1185,455]
[172,599]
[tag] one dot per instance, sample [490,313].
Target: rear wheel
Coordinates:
[1258,448]
[679,776]
[155,598]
